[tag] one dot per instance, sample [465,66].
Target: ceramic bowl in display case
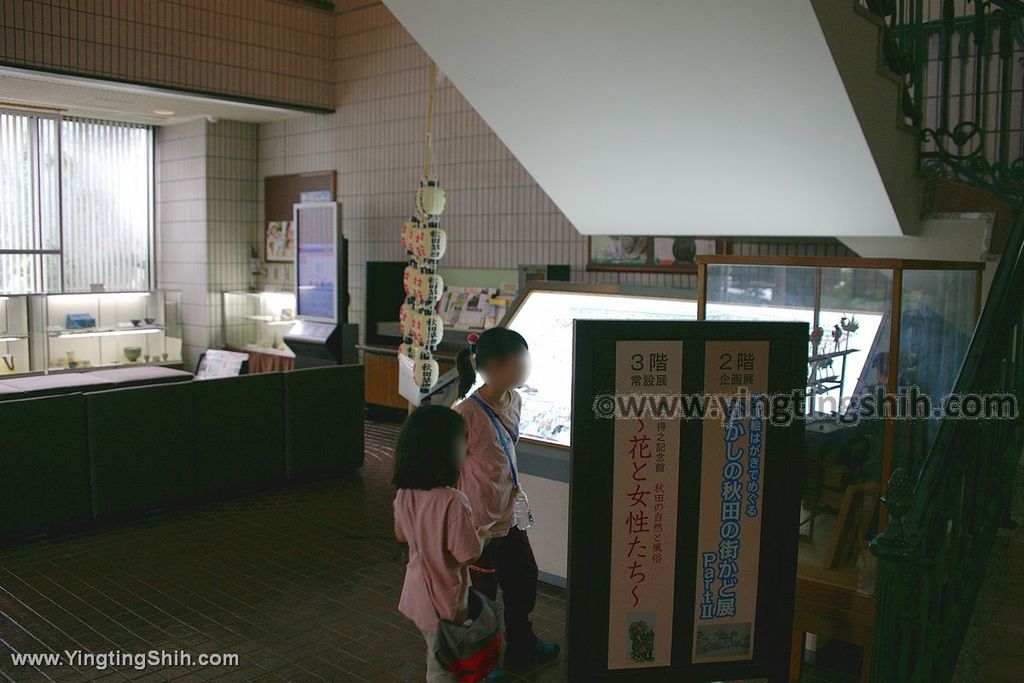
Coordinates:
[109,328]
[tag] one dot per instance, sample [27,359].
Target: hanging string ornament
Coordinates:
[424,242]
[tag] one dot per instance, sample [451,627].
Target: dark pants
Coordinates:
[508,562]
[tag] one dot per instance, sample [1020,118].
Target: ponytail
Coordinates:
[465,364]
[497,343]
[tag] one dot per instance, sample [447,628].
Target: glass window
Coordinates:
[75,204]
[938,314]
[850,305]
[18,211]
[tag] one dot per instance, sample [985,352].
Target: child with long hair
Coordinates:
[436,522]
[490,481]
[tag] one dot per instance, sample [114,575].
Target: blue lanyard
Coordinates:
[500,430]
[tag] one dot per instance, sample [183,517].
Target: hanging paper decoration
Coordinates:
[424,242]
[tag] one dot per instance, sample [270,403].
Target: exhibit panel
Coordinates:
[683,525]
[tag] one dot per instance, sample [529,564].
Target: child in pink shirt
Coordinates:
[435,520]
[491,483]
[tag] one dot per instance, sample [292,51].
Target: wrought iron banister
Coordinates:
[962,62]
[933,553]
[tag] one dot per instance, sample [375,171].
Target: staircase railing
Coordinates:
[963,66]
[934,550]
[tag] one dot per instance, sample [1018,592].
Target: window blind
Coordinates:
[75,204]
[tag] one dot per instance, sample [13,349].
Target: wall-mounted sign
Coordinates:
[280,241]
[684,499]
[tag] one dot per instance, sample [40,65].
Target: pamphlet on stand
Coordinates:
[407,386]
[219,363]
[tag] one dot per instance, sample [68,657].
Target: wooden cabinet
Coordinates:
[381,379]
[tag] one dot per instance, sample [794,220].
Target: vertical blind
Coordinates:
[85,221]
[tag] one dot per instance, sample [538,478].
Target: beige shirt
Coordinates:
[486,477]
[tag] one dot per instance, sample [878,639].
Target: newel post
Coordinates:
[893,549]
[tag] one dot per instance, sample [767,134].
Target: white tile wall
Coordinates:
[206,209]
[181,249]
[232,210]
[497,216]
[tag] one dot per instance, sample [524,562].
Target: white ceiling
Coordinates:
[665,116]
[121,102]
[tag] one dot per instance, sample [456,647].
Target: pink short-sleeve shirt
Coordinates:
[438,525]
[486,477]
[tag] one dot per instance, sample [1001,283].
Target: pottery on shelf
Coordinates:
[136,322]
[150,321]
[132,353]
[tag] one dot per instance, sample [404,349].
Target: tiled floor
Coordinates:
[302,584]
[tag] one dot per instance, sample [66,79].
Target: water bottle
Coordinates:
[521,510]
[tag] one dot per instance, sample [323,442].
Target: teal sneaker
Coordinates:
[496,675]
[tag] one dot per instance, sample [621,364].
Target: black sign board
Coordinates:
[684,499]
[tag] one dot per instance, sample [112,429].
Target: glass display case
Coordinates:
[92,330]
[14,339]
[258,321]
[855,351]
[544,315]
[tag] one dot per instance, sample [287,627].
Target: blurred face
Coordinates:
[511,371]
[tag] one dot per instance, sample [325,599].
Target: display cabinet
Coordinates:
[544,315]
[855,351]
[258,321]
[14,339]
[81,331]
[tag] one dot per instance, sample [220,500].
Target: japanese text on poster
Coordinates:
[732,471]
[644,504]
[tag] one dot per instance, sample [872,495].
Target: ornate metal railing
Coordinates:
[934,550]
[963,65]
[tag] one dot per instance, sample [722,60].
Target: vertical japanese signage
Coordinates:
[644,504]
[729,530]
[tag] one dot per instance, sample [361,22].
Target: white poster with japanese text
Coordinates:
[729,529]
[644,505]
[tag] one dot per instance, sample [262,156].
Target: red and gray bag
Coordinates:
[471,651]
